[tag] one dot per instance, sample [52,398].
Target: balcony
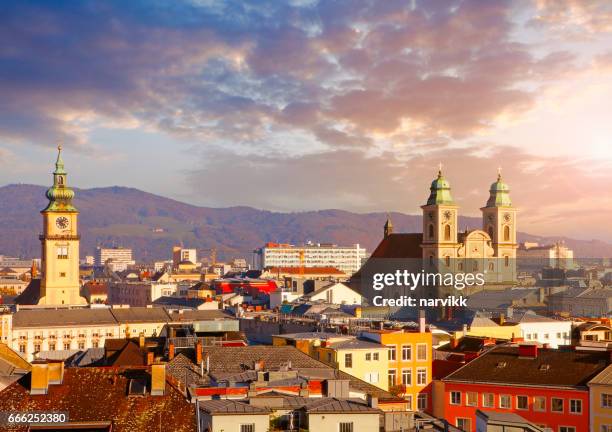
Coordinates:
[60,237]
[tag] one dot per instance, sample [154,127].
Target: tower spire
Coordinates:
[388,226]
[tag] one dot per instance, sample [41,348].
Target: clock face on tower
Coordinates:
[507,217]
[447,214]
[62,222]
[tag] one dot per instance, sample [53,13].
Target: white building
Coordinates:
[336,293]
[536,328]
[117,258]
[348,259]
[532,254]
[281,296]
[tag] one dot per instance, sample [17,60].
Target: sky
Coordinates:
[305,105]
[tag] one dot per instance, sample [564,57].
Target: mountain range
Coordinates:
[151,225]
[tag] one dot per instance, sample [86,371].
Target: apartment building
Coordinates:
[409,359]
[547,387]
[117,258]
[600,401]
[347,259]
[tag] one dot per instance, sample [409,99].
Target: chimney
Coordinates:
[454,342]
[372,401]
[198,350]
[158,379]
[502,319]
[141,340]
[170,350]
[150,358]
[55,372]
[422,321]
[528,351]
[39,378]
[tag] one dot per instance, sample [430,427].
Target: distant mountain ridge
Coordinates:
[151,225]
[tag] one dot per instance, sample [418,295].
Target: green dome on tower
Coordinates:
[60,195]
[499,194]
[440,191]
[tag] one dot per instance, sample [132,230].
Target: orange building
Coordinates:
[410,364]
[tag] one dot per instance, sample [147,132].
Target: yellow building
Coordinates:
[409,364]
[60,283]
[600,401]
[308,342]
[360,358]
[485,327]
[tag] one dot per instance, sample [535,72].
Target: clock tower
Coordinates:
[60,283]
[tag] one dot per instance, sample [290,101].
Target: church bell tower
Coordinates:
[60,283]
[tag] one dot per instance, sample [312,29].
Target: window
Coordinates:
[62,274]
[407,377]
[455,398]
[22,348]
[392,377]
[606,428]
[368,356]
[345,427]
[94,344]
[575,406]
[422,376]
[52,347]
[506,261]
[471,399]
[406,352]
[556,405]
[66,345]
[539,403]
[375,356]
[409,402]
[62,252]
[506,233]
[546,336]
[37,348]
[567,429]
[505,401]
[348,360]
[422,402]
[81,345]
[421,351]
[447,261]
[488,400]
[559,335]
[430,231]
[522,402]
[371,377]
[329,357]
[465,424]
[447,232]
[391,352]
[606,400]
[247,427]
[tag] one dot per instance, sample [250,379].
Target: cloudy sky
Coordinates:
[301,105]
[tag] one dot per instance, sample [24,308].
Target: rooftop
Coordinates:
[553,368]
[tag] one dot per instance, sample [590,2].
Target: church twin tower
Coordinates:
[490,250]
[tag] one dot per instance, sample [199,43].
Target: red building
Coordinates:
[249,286]
[546,387]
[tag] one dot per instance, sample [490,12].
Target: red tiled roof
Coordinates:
[401,245]
[100,394]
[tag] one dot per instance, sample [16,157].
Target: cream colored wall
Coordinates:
[231,423]
[362,367]
[497,332]
[600,416]
[330,422]
[134,329]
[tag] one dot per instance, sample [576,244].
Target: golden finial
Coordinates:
[499,170]
[440,169]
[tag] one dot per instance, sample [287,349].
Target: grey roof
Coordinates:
[604,377]
[62,317]
[197,315]
[355,344]
[311,335]
[140,314]
[332,405]
[493,299]
[230,407]
[530,317]
[88,357]
[179,301]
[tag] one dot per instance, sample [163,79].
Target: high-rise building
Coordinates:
[118,258]
[347,259]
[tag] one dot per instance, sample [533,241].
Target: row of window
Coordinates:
[348,358]
[538,403]
[421,377]
[53,346]
[406,352]
[534,336]
[421,402]
[465,424]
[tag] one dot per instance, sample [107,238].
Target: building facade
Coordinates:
[117,258]
[347,259]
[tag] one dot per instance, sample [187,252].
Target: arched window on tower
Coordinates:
[60,180]
[431,260]
[447,232]
[430,232]
[490,231]
[506,233]
[491,266]
[447,260]
[506,260]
